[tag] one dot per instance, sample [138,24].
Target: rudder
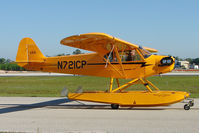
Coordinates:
[28,52]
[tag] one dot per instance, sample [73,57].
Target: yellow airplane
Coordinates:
[112,58]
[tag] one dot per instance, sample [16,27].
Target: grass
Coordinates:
[52,86]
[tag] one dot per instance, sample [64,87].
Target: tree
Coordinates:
[189,60]
[2,61]
[77,51]
[178,58]
[61,54]
[196,61]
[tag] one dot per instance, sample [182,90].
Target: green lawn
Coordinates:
[52,86]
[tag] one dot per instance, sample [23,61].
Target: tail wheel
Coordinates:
[114,106]
[186,107]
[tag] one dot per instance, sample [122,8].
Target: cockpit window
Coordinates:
[128,55]
[111,57]
[144,52]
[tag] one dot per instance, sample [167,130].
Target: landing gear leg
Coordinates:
[115,106]
[189,104]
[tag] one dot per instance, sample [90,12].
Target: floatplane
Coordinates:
[113,58]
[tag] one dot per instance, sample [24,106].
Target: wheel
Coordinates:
[191,103]
[186,107]
[114,106]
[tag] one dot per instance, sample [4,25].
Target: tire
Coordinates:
[115,106]
[186,107]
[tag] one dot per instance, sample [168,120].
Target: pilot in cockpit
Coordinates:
[131,55]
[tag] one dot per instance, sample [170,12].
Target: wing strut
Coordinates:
[120,62]
[118,84]
[115,49]
[109,57]
[111,84]
[108,62]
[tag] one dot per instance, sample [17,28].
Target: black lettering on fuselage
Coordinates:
[78,64]
[59,64]
[83,63]
[65,63]
[71,64]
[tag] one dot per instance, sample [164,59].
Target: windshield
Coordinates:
[144,52]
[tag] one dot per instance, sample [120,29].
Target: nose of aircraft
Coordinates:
[165,64]
[167,61]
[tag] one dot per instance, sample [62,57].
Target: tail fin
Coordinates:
[28,52]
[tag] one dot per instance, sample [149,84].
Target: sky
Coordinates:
[170,26]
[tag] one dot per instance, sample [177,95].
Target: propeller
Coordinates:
[79,90]
[64,92]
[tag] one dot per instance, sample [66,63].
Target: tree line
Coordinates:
[6,64]
[190,60]
[77,51]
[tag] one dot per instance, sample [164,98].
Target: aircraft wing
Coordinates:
[99,42]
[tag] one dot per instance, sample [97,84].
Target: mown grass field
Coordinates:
[52,86]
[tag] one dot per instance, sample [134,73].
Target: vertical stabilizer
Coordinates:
[28,52]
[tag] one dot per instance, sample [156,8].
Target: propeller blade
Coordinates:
[64,92]
[79,90]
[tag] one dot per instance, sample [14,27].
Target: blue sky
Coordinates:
[171,26]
